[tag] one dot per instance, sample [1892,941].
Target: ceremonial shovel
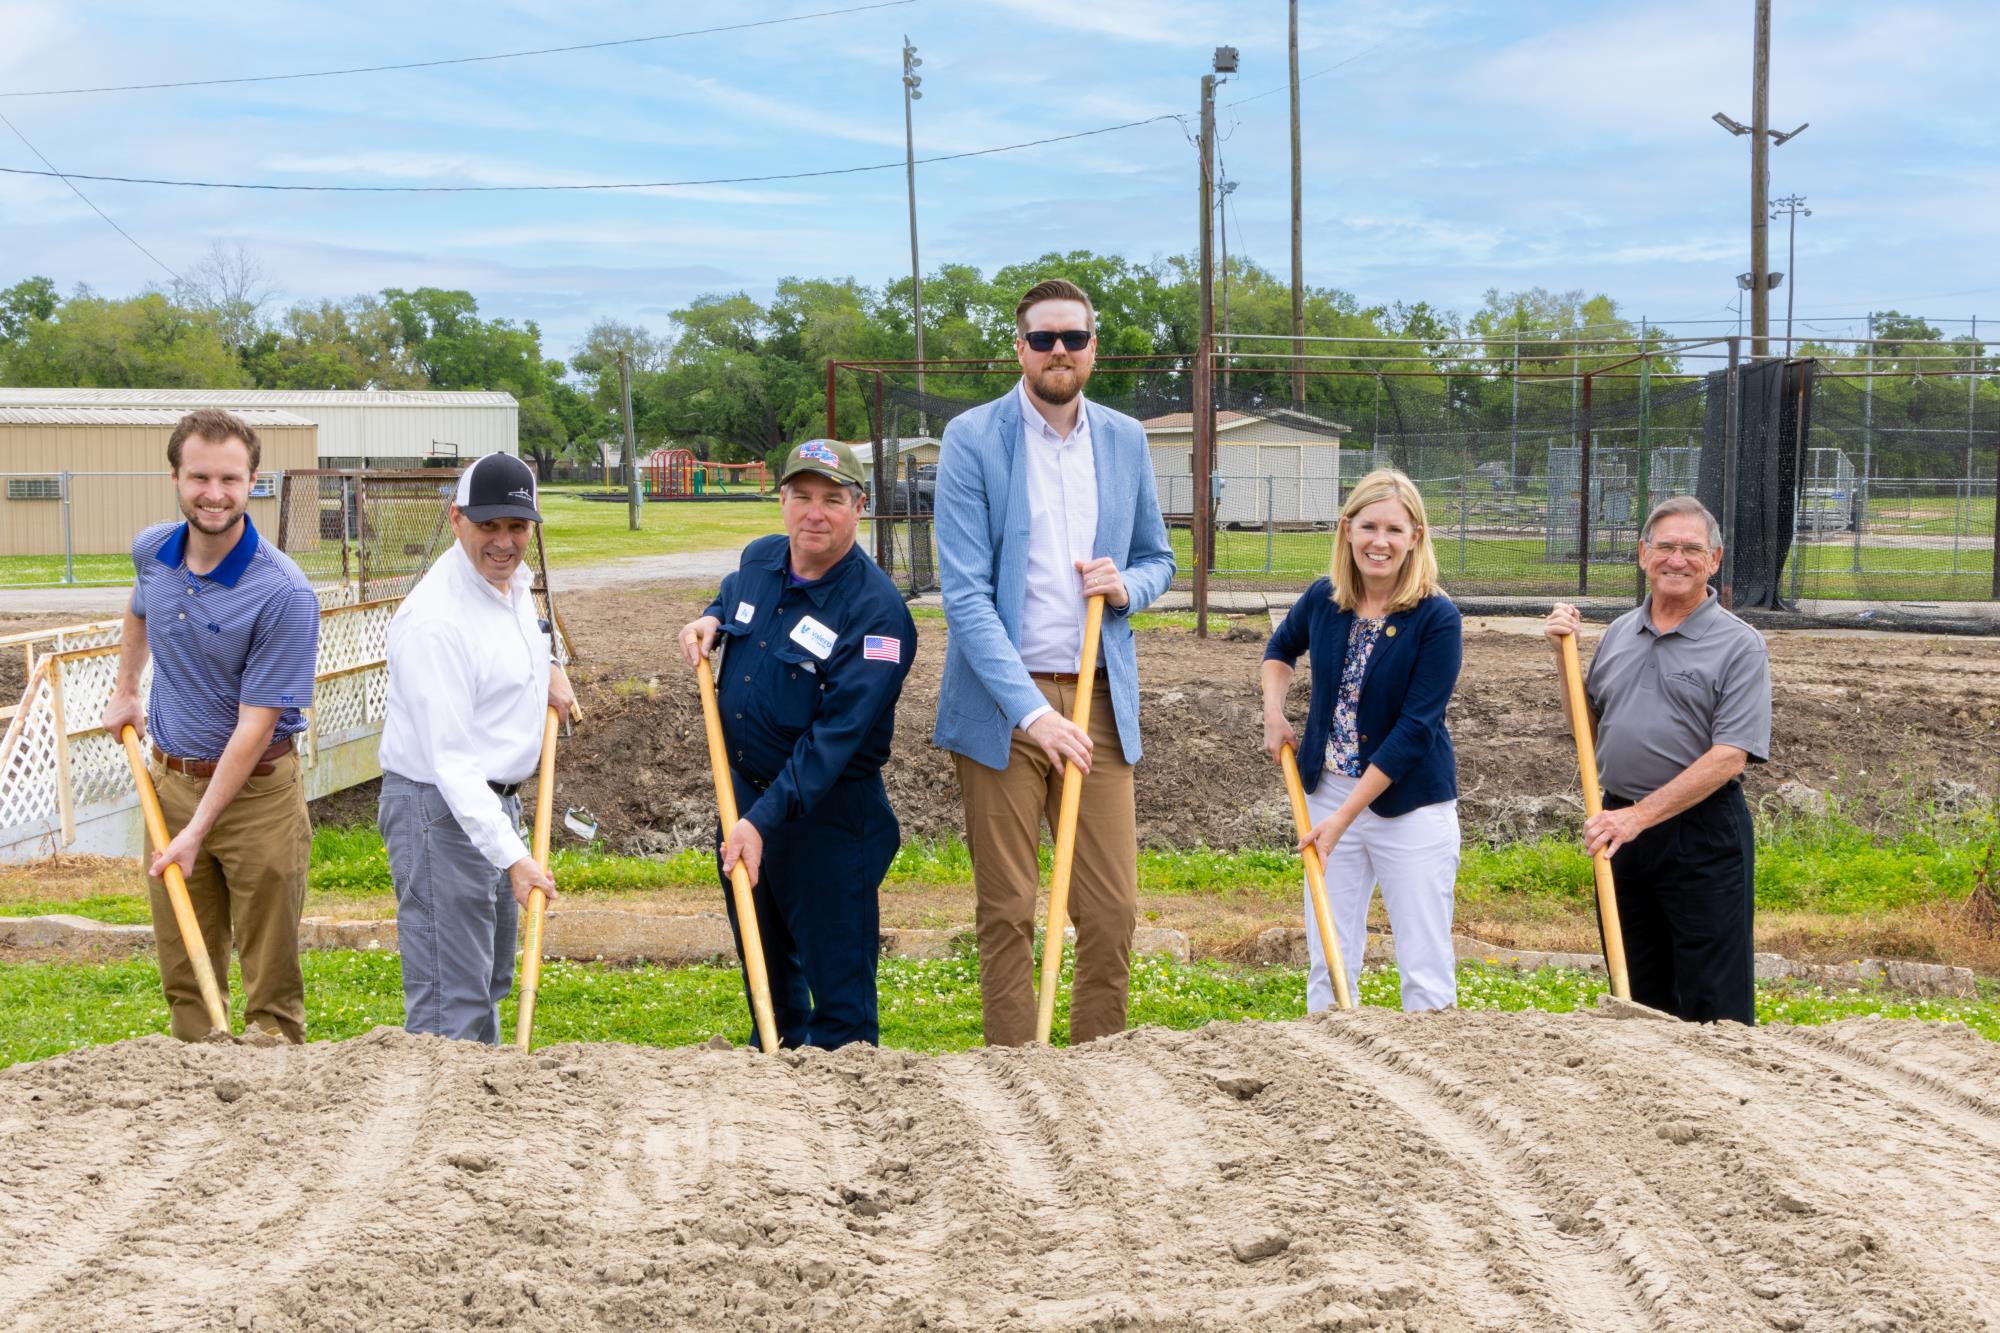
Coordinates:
[1329,939]
[1072,803]
[177,891]
[1593,803]
[739,877]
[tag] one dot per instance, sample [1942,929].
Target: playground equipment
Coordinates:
[676,474]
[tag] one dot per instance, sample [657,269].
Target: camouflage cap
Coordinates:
[832,459]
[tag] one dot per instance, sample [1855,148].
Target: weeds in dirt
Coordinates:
[929,1005]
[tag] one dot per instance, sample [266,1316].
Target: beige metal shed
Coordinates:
[105,470]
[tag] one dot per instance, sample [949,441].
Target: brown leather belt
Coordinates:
[1055,677]
[267,762]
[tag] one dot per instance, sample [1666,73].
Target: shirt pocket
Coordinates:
[793,681]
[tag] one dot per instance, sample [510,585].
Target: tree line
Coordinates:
[734,378]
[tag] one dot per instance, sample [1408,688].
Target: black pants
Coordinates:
[819,915]
[1686,900]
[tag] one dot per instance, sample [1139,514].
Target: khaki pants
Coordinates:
[1004,812]
[248,887]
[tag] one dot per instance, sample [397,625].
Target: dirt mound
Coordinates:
[1879,723]
[1447,1171]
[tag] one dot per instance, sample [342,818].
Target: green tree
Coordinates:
[143,342]
[24,303]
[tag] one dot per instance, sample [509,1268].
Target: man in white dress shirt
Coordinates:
[1045,500]
[471,670]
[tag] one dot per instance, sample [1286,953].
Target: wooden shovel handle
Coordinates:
[1329,939]
[1593,803]
[1072,805]
[538,902]
[177,891]
[740,888]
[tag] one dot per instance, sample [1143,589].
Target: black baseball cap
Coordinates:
[498,486]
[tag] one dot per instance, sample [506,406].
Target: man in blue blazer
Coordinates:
[1044,501]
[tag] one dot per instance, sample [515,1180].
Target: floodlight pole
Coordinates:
[1298,247]
[633,498]
[1760,178]
[1791,205]
[1203,404]
[911,82]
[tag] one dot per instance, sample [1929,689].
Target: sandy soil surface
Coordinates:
[1373,1170]
[1878,721]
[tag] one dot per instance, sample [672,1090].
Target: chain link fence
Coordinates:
[1853,499]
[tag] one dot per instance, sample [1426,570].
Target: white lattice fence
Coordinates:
[56,758]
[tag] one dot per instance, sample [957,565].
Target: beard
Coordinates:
[1055,388]
[209,523]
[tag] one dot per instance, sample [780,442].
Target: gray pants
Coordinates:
[456,918]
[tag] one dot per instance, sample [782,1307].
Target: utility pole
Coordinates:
[912,83]
[633,499]
[1792,205]
[1298,245]
[1223,189]
[1204,358]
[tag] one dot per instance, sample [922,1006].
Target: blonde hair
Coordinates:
[1420,566]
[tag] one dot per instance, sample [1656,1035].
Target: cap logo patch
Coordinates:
[527,495]
[818,453]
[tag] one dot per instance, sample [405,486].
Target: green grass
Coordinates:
[46,1008]
[1827,865]
[40,569]
[588,532]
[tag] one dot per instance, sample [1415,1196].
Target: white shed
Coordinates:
[1277,466]
[379,428]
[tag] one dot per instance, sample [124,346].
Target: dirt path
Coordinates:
[1450,1171]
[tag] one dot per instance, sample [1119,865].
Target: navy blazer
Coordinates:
[1408,682]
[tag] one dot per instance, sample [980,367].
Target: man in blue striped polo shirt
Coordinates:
[232,628]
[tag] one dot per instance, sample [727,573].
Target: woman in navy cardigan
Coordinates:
[1381,781]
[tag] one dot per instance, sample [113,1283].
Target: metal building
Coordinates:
[387,428]
[85,479]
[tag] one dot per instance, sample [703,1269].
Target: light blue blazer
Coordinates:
[982,539]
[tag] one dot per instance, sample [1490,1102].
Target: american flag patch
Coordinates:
[881,648]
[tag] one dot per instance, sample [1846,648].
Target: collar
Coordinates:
[469,579]
[228,573]
[780,560]
[1033,423]
[1694,627]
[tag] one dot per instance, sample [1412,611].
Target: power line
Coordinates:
[898,165]
[1285,87]
[86,199]
[459,60]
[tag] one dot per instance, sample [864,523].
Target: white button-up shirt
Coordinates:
[468,691]
[1062,529]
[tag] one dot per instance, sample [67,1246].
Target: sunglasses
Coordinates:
[1044,340]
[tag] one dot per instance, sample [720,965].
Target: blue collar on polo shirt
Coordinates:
[230,571]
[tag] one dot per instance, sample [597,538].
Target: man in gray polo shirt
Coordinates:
[1680,695]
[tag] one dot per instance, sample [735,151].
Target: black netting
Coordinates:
[1853,503]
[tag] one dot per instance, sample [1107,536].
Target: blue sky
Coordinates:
[1459,147]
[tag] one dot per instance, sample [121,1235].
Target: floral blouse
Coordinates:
[1343,751]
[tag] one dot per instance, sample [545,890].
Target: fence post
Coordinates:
[1270,522]
[69,540]
[65,794]
[1643,494]
[1799,488]
[1583,495]
[1464,466]
[1730,430]
[361,536]
[884,496]
[1996,518]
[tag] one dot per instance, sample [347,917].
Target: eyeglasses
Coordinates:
[1044,340]
[1685,550]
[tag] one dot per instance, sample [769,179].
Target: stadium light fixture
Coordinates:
[1736,127]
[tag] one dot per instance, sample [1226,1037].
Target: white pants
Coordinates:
[1414,857]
